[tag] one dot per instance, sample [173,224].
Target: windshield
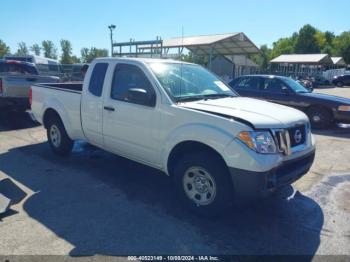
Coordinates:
[189,82]
[298,88]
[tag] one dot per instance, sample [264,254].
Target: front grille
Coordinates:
[287,139]
[282,141]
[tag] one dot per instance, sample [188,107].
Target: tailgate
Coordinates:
[18,85]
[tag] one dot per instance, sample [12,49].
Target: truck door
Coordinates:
[131,116]
[92,104]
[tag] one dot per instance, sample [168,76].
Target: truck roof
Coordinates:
[143,60]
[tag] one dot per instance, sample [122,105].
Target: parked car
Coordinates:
[341,80]
[307,83]
[181,119]
[45,66]
[323,110]
[319,81]
[15,80]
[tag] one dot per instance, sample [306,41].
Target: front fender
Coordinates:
[209,135]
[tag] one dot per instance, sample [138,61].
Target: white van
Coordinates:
[45,66]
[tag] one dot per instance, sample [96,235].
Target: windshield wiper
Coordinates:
[211,96]
[189,98]
[202,97]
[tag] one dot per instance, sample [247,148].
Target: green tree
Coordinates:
[187,57]
[66,57]
[49,49]
[87,55]
[22,49]
[75,59]
[4,49]
[36,49]
[263,58]
[84,54]
[341,45]
[307,41]
[283,46]
[329,37]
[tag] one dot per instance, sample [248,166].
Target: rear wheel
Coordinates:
[320,118]
[57,136]
[203,184]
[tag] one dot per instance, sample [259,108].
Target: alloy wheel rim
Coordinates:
[199,186]
[316,118]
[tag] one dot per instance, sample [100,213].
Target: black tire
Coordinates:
[223,198]
[340,84]
[62,146]
[320,118]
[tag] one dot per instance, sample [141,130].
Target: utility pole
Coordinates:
[111,28]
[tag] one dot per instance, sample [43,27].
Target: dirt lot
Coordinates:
[97,203]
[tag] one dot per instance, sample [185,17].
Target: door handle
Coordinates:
[108,108]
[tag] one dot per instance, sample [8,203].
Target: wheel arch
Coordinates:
[49,113]
[326,107]
[190,146]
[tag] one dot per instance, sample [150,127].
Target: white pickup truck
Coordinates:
[181,119]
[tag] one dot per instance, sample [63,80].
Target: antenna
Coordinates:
[182,41]
[181,65]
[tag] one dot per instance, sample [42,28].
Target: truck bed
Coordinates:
[70,87]
[62,97]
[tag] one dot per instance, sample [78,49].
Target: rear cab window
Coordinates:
[97,79]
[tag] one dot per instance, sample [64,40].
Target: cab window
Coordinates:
[248,83]
[130,77]
[97,78]
[272,85]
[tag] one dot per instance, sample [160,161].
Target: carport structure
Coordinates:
[207,45]
[338,62]
[301,64]
[211,45]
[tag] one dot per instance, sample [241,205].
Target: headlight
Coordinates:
[259,141]
[344,108]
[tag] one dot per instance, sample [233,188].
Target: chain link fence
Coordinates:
[66,72]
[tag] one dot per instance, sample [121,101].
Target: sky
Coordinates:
[85,22]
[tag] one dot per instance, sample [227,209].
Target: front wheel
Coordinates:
[57,136]
[320,118]
[340,84]
[203,184]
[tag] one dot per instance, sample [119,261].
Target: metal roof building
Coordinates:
[338,61]
[219,44]
[303,59]
[228,45]
[301,64]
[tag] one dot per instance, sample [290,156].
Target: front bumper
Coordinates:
[16,103]
[259,184]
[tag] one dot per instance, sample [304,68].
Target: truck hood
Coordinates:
[256,113]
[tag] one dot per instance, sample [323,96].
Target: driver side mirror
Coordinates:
[141,96]
[285,90]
